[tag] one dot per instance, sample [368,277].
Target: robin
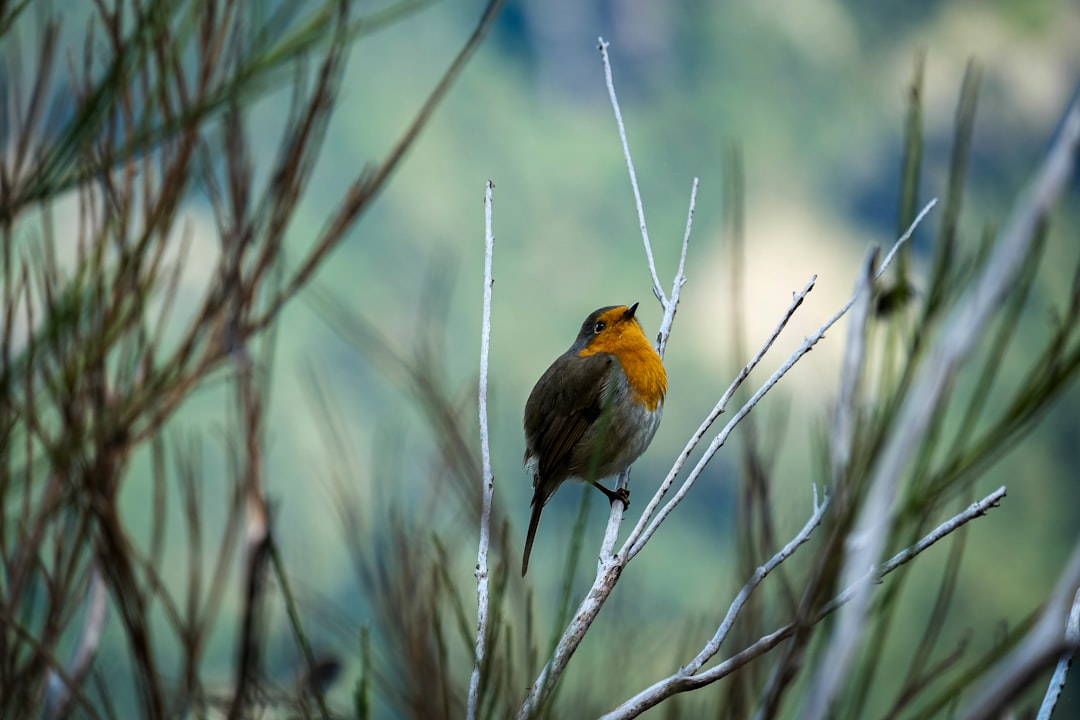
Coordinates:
[594,411]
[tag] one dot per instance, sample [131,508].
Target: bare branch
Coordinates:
[1072,641]
[488,478]
[657,290]
[672,305]
[713,646]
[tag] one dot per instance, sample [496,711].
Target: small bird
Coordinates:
[594,411]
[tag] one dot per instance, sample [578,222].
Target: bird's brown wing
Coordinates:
[566,401]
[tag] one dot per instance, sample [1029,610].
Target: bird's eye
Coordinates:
[599,327]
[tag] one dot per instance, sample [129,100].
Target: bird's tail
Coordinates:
[537,508]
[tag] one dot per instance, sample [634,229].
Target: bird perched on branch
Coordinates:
[594,411]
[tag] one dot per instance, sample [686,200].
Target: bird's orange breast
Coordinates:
[642,366]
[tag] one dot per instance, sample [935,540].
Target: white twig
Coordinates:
[488,479]
[682,682]
[951,348]
[713,646]
[976,509]
[1072,641]
[611,532]
[672,305]
[888,259]
[657,290]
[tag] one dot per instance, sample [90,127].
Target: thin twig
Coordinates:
[488,478]
[1072,642]
[258,548]
[713,646]
[657,290]
[672,305]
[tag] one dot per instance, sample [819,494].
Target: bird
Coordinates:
[594,411]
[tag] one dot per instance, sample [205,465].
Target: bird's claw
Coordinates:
[619,494]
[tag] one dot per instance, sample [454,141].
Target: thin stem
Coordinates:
[672,305]
[713,646]
[1072,641]
[657,290]
[488,478]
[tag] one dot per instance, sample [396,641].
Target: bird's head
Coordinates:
[607,330]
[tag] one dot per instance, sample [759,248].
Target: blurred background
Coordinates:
[813,95]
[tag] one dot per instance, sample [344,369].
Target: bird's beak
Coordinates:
[630,312]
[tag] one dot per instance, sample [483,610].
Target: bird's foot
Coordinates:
[618,494]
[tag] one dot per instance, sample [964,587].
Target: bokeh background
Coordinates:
[813,94]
